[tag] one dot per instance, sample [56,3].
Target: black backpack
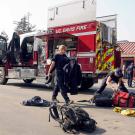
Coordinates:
[72,119]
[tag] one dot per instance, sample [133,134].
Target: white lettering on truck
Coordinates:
[58,30]
[83,27]
[69,29]
[72,29]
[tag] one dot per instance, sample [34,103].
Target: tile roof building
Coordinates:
[127,53]
[128,48]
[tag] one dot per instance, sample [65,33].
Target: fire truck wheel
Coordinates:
[28,80]
[3,79]
[86,83]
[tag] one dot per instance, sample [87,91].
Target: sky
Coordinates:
[14,10]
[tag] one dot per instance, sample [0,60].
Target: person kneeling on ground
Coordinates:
[114,81]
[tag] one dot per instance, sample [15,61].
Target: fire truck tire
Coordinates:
[3,79]
[86,83]
[28,80]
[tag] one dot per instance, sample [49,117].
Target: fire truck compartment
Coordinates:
[19,73]
[63,38]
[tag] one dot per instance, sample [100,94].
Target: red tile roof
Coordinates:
[128,48]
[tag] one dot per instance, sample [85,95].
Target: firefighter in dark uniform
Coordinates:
[114,81]
[58,62]
[130,74]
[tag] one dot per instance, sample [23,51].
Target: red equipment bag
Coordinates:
[123,99]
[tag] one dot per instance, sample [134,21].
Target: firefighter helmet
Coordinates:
[118,72]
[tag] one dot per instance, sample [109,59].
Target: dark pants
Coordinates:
[103,86]
[59,86]
[130,78]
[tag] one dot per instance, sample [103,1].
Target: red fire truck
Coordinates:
[91,42]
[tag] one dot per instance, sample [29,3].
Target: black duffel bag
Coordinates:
[36,101]
[101,100]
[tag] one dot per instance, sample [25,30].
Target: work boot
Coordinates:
[69,102]
[96,94]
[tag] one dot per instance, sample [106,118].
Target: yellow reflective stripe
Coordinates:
[108,63]
[97,37]
[111,60]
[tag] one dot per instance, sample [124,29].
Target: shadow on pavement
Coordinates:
[33,86]
[98,131]
[88,105]
[43,87]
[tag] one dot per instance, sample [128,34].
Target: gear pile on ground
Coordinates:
[125,112]
[36,101]
[72,119]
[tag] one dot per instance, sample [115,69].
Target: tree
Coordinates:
[24,25]
[4,34]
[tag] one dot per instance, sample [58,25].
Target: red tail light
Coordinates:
[35,58]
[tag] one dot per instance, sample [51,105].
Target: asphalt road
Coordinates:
[16,119]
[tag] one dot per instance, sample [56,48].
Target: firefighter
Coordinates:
[58,62]
[130,72]
[113,80]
